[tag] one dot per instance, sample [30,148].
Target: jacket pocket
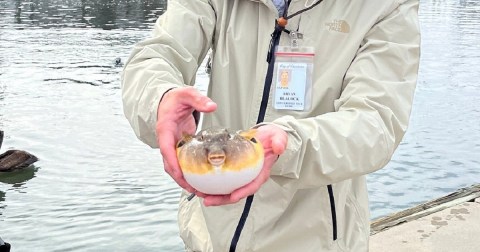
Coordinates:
[192,227]
[333,212]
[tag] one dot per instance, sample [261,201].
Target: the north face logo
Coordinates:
[339,26]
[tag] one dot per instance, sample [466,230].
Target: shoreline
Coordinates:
[448,223]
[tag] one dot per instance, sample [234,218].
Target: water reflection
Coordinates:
[2,204]
[105,14]
[18,178]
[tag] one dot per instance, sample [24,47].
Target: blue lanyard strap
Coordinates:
[279,27]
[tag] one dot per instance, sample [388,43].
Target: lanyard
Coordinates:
[307,8]
[280,24]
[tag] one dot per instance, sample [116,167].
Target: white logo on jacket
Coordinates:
[338,26]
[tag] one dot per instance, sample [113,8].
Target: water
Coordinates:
[97,188]
[440,152]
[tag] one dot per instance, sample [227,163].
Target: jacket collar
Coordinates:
[268,3]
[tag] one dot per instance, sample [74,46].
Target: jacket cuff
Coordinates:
[287,163]
[149,101]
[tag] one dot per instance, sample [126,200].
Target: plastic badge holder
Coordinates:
[293,78]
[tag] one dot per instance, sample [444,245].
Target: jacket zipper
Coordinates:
[261,117]
[333,211]
[249,200]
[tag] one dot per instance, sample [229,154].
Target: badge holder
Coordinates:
[293,76]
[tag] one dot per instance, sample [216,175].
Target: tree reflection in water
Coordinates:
[104,14]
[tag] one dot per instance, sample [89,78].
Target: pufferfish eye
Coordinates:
[181,143]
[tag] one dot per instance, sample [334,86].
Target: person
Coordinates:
[360,76]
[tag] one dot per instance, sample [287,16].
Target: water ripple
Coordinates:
[97,188]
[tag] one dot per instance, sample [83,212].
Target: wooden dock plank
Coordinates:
[462,195]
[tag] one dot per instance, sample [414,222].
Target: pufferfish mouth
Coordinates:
[216,159]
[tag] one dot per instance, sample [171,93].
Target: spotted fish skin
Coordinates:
[217,161]
[216,150]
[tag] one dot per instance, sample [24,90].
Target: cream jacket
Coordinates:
[365,71]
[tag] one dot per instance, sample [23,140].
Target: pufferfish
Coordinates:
[216,161]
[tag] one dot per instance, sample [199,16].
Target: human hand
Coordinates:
[174,118]
[274,141]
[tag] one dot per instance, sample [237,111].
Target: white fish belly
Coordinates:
[222,182]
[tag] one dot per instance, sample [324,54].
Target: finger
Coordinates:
[166,143]
[248,189]
[200,194]
[279,144]
[245,191]
[197,101]
[178,177]
[216,200]
[253,186]
[184,184]
[188,126]
[170,162]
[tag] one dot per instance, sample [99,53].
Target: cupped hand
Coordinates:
[274,141]
[174,118]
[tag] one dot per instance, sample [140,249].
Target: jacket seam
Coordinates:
[216,20]
[261,116]
[387,150]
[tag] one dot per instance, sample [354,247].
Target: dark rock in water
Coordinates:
[15,159]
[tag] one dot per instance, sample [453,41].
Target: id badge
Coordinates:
[293,78]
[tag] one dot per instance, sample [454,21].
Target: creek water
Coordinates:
[97,188]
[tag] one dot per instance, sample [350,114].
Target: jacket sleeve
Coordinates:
[170,58]
[371,114]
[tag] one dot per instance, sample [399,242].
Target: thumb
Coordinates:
[197,101]
[279,144]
